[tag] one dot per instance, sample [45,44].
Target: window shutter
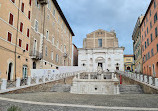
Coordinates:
[27,47]
[21,27]
[28,33]
[29,14]
[22,7]
[9,37]
[11,19]
[30,2]
[20,41]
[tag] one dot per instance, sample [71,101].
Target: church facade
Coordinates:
[101,48]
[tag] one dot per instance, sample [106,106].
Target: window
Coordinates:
[9,37]
[57,58]
[155,17]
[152,52]
[29,14]
[156,32]
[21,27]
[11,19]
[148,55]
[53,40]
[22,7]
[30,2]
[147,30]
[52,55]
[27,47]
[46,52]
[150,12]
[142,37]
[49,5]
[154,4]
[145,45]
[148,42]
[28,33]
[54,11]
[145,33]
[99,42]
[13,1]
[151,25]
[157,47]
[57,44]
[20,42]
[64,48]
[47,34]
[151,36]
[36,25]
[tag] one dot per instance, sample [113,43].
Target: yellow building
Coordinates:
[129,63]
[15,25]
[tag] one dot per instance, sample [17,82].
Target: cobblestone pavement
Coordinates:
[121,101]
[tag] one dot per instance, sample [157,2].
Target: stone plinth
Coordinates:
[95,86]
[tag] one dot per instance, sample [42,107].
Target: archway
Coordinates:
[128,68]
[10,71]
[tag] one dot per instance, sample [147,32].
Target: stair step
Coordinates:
[130,89]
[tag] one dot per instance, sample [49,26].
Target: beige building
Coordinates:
[51,36]
[100,48]
[15,26]
[100,38]
[136,37]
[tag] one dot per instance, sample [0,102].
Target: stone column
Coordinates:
[44,79]
[29,81]
[18,82]
[4,84]
[78,75]
[102,76]
[89,76]
[37,80]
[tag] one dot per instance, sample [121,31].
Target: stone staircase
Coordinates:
[61,88]
[130,89]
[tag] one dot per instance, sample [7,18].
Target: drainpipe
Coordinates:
[17,37]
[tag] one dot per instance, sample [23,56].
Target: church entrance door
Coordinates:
[100,64]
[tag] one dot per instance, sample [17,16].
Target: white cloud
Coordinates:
[85,16]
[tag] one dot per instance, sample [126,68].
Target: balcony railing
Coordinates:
[36,55]
[43,2]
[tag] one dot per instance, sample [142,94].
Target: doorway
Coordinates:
[100,64]
[128,68]
[24,71]
[34,65]
[10,71]
[117,68]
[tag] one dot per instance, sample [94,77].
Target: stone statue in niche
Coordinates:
[99,70]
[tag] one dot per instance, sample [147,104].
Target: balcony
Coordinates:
[36,55]
[43,2]
[65,55]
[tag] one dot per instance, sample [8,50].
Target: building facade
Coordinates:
[51,36]
[136,37]
[129,65]
[100,48]
[75,55]
[15,26]
[149,38]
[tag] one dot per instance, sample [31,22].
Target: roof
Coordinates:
[147,11]
[128,55]
[63,16]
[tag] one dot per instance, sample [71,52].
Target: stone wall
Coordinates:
[45,87]
[147,89]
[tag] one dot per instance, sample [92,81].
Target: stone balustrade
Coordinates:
[35,80]
[141,78]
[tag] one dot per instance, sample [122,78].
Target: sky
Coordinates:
[86,16]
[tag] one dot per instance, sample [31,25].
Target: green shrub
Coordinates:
[14,108]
